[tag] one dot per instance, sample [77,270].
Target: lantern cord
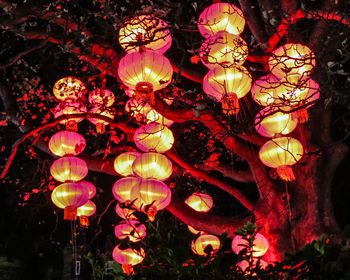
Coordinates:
[74,248]
[290,217]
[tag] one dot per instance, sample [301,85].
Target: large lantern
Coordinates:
[152,165]
[122,188]
[281,153]
[154,137]
[85,211]
[69,169]
[90,187]
[133,230]
[152,195]
[260,245]
[69,196]
[101,97]
[125,213]
[199,246]
[221,17]
[65,143]
[101,124]
[200,202]
[69,89]
[123,163]
[223,49]
[128,258]
[69,108]
[264,90]
[145,31]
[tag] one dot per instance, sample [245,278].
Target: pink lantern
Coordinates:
[130,229]
[69,89]
[200,202]
[90,187]
[101,97]
[69,108]
[123,163]
[125,213]
[101,124]
[128,258]
[85,211]
[65,143]
[199,245]
[69,169]
[260,245]
[122,188]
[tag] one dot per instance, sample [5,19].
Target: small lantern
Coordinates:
[101,97]
[69,169]
[67,143]
[200,202]
[69,108]
[122,188]
[69,89]
[199,246]
[125,213]
[85,211]
[101,124]
[128,258]
[90,187]
[123,163]
[260,245]
[133,230]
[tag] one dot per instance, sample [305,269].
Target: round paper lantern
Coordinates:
[69,196]
[69,89]
[223,49]
[200,202]
[102,97]
[264,90]
[125,213]
[128,258]
[153,137]
[260,245]
[245,264]
[69,169]
[90,187]
[154,116]
[270,123]
[85,211]
[145,31]
[149,66]
[292,59]
[67,143]
[281,153]
[123,163]
[152,165]
[221,17]
[122,188]
[152,195]
[132,229]
[69,108]
[199,245]
[101,124]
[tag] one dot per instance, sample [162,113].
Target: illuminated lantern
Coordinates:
[200,202]
[101,124]
[260,245]
[199,246]
[128,258]
[67,143]
[102,97]
[245,264]
[69,169]
[292,59]
[125,213]
[122,188]
[194,231]
[69,108]
[227,85]
[281,153]
[221,17]
[69,196]
[264,90]
[223,49]
[90,187]
[153,137]
[123,163]
[154,116]
[152,165]
[145,31]
[130,229]
[270,123]
[85,211]
[152,196]
[69,89]
[147,71]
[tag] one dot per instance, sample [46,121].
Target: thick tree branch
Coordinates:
[244,176]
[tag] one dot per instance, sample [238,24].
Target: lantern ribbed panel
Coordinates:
[154,137]
[263,90]
[69,108]
[223,49]
[128,256]
[221,17]
[69,89]
[281,151]
[69,195]
[220,81]
[69,169]
[200,202]
[260,245]
[153,165]
[125,213]
[145,31]
[122,188]
[87,210]
[65,143]
[102,97]
[132,229]
[107,112]
[199,245]
[90,187]
[148,66]
[123,163]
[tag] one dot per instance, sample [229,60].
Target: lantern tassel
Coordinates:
[70,213]
[128,269]
[151,213]
[301,115]
[84,221]
[100,128]
[230,105]
[72,125]
[286,173]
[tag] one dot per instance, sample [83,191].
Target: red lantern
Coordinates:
[101,124]
[128,258]
[200,202]
[85,211]
[199,245]
[123,163]
[67,143]
[101,97]
[69,108]
[132,230]
[69,169]
[125,213]
[260,245]
[122,188]
[69,89]
[90,187]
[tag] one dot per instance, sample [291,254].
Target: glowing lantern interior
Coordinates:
[128,258]
[69,89]
[102,97]
[85,211]
[125,213]
[69,108]
[132,230]
[122,188]
[199,246]
[90,187]
[65,143]
[200,202]
[123,163]
[71,169]
[260,245]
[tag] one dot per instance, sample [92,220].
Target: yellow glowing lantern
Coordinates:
[153,137]
[153,165]
[292,59]
[101,97]
[200,202]
[245,264]
[128,258]
[69,89]
[122,188]
[221,17]
[123,163]
[145,31]
[152,195]
[90,187]
[281,153]
[65,143]
[85,211]
[223,49]
[69,196]
[272,123]
[200,245]
[264,90]
[133,230]
[69,108]
[69,169]
[194,231]
[260,245]
[125,213]
[101,124]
